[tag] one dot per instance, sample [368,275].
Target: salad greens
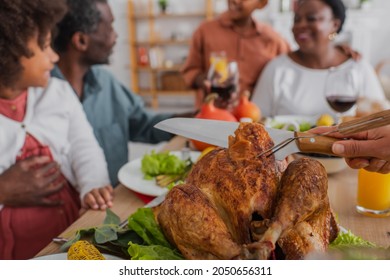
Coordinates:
[143,239]
[109,237]
[156,246]
[155,164]
[165,168]
[144,224]
[303,126]
[348,246]
[152,252]
[348,239]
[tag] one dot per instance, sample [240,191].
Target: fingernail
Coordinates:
[338,149]
[363,164]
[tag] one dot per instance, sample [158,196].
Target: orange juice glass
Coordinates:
[373,198]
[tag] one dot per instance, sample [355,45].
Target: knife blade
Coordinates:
[217,133]
[153,203]
[156,201]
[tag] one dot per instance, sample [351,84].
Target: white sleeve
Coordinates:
[371,87]
[264,92]
[86,157]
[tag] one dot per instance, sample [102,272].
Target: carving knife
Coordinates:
[217,133]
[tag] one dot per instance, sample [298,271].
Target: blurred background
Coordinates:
[153,43]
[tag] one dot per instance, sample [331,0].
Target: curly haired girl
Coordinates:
[50,164]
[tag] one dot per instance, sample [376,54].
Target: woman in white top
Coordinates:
[296,83]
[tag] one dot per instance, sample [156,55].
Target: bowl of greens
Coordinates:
[291,122]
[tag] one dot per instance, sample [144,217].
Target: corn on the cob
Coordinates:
[83,250]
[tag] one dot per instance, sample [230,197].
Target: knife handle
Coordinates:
[365,123]
[315,144]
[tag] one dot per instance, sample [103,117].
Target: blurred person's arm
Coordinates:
[349,51]
[194,70]
[30,182]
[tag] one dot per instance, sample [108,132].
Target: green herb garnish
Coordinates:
[348,239]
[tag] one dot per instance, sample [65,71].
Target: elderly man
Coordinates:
[85,39]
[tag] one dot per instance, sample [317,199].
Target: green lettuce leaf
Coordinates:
[154,164]
[150,165]
[348,240]
[152,252]
[144,224]
[156,246]
[348,246]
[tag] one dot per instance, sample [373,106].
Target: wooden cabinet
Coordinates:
[158,47]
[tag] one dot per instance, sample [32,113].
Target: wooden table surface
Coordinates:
[342,195]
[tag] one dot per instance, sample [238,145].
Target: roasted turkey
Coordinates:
[237,205]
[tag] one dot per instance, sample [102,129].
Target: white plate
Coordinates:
[289,120]
[131,176]
[64,256]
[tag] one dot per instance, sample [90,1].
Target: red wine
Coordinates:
[223,92]
[341,103]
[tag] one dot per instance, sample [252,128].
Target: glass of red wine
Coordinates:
[223,76]
[341,90]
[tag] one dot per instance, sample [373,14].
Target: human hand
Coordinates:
[227,104]
[29,182]
[99,198]
[348,51]
[206,86]
[369,150]
[201,82]
[220,102]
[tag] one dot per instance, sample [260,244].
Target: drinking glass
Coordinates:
[223,76]
[341,89]
[373,196]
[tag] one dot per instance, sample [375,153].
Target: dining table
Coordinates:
[342,192]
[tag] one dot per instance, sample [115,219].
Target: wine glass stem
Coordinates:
[339,117]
